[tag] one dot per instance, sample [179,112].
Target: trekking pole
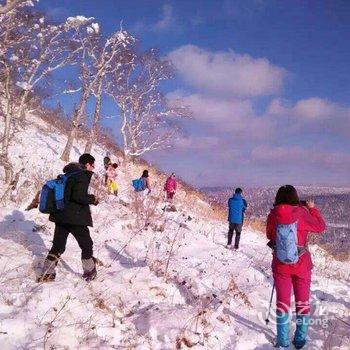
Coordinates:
[268,314]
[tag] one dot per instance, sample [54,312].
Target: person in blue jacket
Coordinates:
[236,207]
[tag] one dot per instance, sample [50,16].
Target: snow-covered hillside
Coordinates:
[166,281]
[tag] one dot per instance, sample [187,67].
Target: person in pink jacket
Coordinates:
[170,187]
[289,212]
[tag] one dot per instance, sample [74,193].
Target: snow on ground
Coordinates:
[165,281]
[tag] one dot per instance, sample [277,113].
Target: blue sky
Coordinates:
[268,82]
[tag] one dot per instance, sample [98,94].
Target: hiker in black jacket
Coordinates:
[75,219]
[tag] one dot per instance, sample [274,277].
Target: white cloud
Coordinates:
[234,116]
[314,108]
[296,156]
[227,73]
[166,20]
[312,115]
[277,107]
[197,142]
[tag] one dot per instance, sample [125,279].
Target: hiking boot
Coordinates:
[228,246]
[46,277]
[89,268]
[91,275]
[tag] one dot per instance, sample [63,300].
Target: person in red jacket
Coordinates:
[287,211]
[170,187]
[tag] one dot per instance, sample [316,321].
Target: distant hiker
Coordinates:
[111,179]
[143,183]
[146,181]
[288,225]
[106,163]
[236,208]
[74,218]
[107,160]
[170,187]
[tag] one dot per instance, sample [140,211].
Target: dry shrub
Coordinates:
[187,342]
[146,210]
[256,224]
[41,176]
[343,256]
[236,293]
[55,119]
[97,187]
[100,303]
[158,292]
[217,213]
[330,252]
[24,191]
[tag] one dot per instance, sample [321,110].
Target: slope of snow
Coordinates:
[165,281]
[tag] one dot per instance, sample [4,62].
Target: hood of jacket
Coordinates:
[71,167]
[285,213]
[236,197]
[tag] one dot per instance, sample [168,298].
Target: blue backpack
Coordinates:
[138,184]
[287,243]
[52,194]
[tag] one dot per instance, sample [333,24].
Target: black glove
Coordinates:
[271,244]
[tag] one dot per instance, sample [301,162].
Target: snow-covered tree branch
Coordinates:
[100,58]
[148,119]
[10,5]
[30,51]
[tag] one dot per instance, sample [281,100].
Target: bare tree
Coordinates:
[31,51]
[13,34]
[10,5]
[148,119]
[96,63]
[8,96]
[51,47]
[97,117]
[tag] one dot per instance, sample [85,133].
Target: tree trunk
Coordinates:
[20,114]
[5,162]
[76,124]
[96,122]
[12,185]
[34,203]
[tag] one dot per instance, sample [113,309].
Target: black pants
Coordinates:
[80,233]
[238,229]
